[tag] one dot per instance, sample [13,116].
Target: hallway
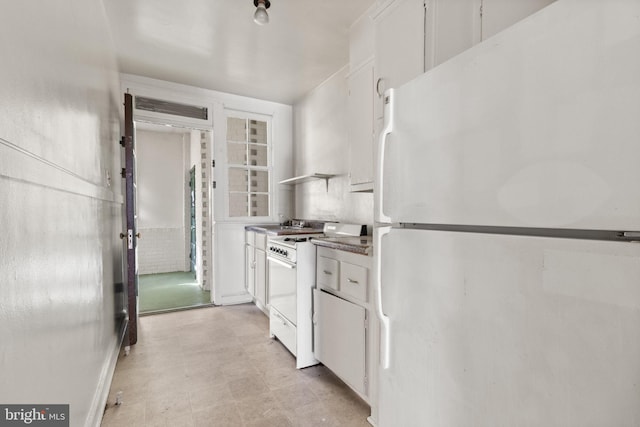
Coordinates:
[218,367]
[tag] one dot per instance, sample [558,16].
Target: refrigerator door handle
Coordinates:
[384,320]
[380,216]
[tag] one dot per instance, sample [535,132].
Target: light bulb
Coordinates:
[261,16]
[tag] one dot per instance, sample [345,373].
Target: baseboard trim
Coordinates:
[236,299]
[104,385]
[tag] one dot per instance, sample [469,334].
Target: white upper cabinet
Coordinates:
[451,27]
[399,46]
[360,104]
[361,140]
[500,14]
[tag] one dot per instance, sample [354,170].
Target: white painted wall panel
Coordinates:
[60,206]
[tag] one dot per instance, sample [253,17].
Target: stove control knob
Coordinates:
[286,253]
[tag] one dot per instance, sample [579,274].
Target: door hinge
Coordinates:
[480,11]
[213,185]
[213,163]
[366,382]
[123,141]
[123,173]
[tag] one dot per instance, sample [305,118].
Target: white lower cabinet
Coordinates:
[345,330]
[256,274]
[340,339]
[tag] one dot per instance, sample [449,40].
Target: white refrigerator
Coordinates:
[506,264]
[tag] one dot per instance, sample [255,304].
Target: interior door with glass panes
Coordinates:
[249,165]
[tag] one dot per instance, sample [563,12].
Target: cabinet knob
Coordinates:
[327,272]
[352,281]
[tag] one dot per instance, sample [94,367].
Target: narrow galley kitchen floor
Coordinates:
[217,366]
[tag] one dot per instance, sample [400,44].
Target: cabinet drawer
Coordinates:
[261,241]
[284,330]
[327,273]
[353,280]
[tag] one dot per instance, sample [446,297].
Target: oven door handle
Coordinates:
[282,263]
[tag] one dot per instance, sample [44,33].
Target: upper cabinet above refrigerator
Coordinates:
[451,27]
[399,46]
[497,15]
[397,40]
[413,36]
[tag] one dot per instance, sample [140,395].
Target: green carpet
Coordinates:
[169,291]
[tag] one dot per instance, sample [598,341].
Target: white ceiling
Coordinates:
[215,44]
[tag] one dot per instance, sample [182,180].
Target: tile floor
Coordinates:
[169,291]
[216,366]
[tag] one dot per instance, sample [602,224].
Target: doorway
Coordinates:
[172,217]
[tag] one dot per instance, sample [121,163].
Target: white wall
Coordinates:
[321,145]
[60,206]
[161,201]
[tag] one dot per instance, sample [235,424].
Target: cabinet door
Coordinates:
[500,14]
[261,276]
[399,46]
[451,27]
[249,271]
[361,125]
[339,338]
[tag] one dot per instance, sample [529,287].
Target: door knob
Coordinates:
[122,235]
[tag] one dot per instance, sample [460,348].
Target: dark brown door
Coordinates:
[131,237]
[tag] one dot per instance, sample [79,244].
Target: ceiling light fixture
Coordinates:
[261,16]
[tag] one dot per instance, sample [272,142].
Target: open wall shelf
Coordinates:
[306,178]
